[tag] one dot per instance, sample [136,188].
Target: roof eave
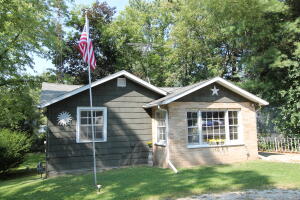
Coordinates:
[222,82]
[105,79]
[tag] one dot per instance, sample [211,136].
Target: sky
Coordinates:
[41,65]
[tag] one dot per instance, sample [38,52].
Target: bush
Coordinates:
[13,146]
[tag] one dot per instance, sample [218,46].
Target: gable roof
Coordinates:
[69,91]
[181,92]
[53,90]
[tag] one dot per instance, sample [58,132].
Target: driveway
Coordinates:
[280,157]
[273,194]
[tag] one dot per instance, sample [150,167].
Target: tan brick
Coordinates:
[182,156]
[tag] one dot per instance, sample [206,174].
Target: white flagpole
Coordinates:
[91,103]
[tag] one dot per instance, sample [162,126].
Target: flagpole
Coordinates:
[91,106]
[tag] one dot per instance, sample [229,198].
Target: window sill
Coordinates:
[162,144]
[90,141]
[194,146]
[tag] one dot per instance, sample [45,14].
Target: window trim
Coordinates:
[228,142]
[104,110]
[162,142]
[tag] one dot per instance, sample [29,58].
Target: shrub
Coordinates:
[13,146]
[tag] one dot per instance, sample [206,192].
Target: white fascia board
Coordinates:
[224,83]
[103,80]
[242,92]
[167,101]
[150,106]
[144,83]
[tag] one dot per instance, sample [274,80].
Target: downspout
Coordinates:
[168,146]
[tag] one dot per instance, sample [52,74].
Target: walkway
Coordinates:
[273,194]
[280,157]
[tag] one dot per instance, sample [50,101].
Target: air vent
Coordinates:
[121,82]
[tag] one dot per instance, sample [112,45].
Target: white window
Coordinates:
[161,123]
[84,124]
[209,128]
[193,130]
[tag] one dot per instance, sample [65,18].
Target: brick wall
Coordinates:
[182,156]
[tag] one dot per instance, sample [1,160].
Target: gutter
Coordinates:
[168,149]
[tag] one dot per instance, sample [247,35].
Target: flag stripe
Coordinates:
[86,48]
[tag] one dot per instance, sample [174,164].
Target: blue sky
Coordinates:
[41,64]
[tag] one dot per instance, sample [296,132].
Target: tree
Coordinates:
[28,28]
[100,16]
[142,37]
[13,146]
[18,106]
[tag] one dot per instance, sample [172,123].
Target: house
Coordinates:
[209,122]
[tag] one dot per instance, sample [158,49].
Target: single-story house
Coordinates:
[209,122]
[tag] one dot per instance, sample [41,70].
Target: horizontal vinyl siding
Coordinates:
[128,130]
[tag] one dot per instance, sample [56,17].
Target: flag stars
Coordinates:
[215,91]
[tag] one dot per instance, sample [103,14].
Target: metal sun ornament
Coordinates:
[64,118]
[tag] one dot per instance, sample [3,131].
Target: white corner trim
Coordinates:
[104,110]
[224,83]
[103,80]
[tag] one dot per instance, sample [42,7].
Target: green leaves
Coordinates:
[13,146]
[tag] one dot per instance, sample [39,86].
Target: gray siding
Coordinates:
[128,129]
[205,95]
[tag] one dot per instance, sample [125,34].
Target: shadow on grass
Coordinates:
[138,183]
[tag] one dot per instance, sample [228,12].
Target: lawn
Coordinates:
[155,183]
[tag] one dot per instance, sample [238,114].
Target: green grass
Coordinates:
[28,167]
[31,161]
[155,183]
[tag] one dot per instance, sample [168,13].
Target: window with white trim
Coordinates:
[161,123]
[210,128]
[193,131]
[84,124]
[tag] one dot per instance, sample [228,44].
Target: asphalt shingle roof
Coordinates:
[173,93]
[53,90]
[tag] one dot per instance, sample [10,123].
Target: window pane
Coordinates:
[98,135]
[190,122]
[233,125]
[209,114]
[98,128]
[221,114]
[98,114]
[192,131]
[194,115]
[84,121]
[161,125]
[99,120]
[84,113]
[193,139]
[84,133]
[213,127]
[189,115]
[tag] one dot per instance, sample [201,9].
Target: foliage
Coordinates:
[28,27]
[18,106]
[142,37]
[156,183]
[31,160]
[100,16]
[13,146]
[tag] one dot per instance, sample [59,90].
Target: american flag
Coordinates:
[86,46]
